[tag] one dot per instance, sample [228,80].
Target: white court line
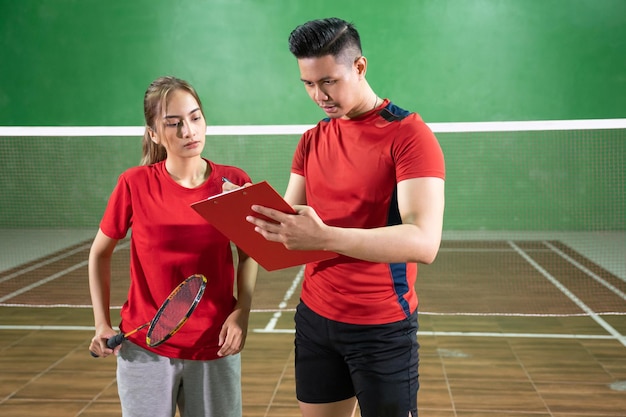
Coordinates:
[617,335]
[270,327]
[39,375]
[43,281]
[483,334]
[276,388]
[44,327]
[51,277]
[292,310]
[43,263]
[288,294]
[287,331]
[587,271]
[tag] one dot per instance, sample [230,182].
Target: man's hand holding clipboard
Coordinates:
[252,216]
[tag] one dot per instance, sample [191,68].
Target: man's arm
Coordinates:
[417,239]
[296,191]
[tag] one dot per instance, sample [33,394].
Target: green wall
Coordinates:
[87,63]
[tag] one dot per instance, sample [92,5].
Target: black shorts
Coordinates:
[377,363]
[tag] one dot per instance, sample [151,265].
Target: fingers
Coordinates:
[231,347]
[275,215]
[229,186]
[98,348]
[300,230]
[269,220]
[279,216]
[231,340]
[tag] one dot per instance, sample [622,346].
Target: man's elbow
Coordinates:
[429,258]
[428,254]
[424,244]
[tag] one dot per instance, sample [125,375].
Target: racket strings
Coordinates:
[175,310]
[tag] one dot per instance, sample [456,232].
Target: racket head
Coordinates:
[176,309]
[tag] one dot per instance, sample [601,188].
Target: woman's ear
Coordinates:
[153,135]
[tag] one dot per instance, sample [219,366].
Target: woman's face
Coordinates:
[182,128]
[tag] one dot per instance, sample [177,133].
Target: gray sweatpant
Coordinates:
[150,385]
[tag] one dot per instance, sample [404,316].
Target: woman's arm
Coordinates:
[235,328]
[100,290]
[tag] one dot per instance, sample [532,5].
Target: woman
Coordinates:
[198,369]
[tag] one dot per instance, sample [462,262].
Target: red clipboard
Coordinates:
[227,213]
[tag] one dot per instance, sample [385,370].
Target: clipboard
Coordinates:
[227,213]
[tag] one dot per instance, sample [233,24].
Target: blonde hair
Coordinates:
[154,106]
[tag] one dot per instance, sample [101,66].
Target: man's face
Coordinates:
[332,85]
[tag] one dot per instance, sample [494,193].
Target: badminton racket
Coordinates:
[171,316]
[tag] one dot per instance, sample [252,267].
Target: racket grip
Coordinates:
[115,340]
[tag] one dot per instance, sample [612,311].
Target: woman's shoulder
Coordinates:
[142,171]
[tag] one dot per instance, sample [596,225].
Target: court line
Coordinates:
[52,277]
[96,397]
[45,327]
[419,332]
[88,306]
[44,263]
[587,271]
[43,281]
[489,250]
[483,334]
[288,294]
[277,386]
[39,375]
[618,336]
[291,310]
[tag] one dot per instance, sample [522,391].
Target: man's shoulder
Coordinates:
[407,119]
[317,128]
[393,113]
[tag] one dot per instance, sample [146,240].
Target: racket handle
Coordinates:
[112,343]
[115,340]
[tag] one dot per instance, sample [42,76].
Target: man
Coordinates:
[367,183]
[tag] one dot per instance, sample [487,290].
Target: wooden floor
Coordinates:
[507,329]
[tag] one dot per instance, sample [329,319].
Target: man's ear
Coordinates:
[360,64]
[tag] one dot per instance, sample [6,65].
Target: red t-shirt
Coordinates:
[169,242]
[351,168]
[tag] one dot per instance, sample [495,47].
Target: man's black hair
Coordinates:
[331,36]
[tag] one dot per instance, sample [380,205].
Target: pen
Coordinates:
[224,179]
